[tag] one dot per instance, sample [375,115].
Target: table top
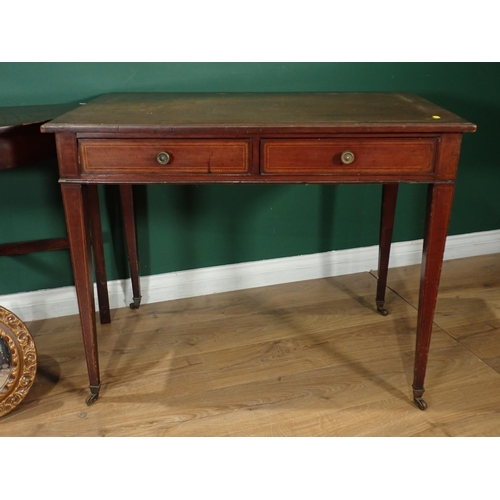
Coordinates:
[21,142]
[328,112]
[15,116]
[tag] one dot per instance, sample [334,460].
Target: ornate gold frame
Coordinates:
[23,360]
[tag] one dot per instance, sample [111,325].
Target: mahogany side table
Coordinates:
[22,143]
[262,138]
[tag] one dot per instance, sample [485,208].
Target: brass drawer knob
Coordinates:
[347,157]
[163,158]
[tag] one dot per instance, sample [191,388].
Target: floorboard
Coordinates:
[302,359]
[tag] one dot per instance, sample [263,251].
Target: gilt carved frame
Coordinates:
[22,362]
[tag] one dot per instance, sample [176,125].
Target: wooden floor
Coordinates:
[303,359]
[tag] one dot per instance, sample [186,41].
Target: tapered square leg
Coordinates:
[75,198]
[439,203]
[127,201]
[94,214]
[389,199]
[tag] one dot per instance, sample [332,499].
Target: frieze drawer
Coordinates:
[348,156]
[164,156]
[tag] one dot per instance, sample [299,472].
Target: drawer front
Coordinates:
[348,156]
[164,156]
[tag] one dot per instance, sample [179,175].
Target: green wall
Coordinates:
[185,227]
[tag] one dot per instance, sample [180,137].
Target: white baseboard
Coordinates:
[57,302]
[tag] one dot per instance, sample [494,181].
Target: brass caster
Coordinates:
[380,307]
[94,394]
[382,311]
[422,405]
[91,399]
[136,303]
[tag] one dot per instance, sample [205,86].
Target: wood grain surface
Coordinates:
[303,359]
